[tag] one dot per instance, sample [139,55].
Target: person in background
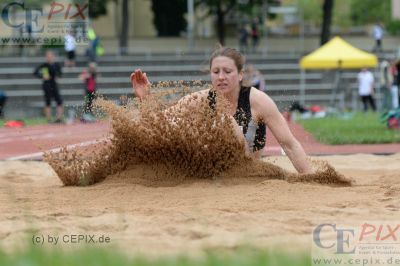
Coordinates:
[253,78]
[123,100]
[377,33]
[49,72]
[386,81]
[396,70]
[3,100]
[69,46]
[243,37]
[366,84]
[255,34]
[395,85]
[95,49]
[89,76]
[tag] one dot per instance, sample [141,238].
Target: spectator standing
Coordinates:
[255,34]
[243,37]
[95,48]
[366,89]
[386,81]
[70,47]
[396,73]
[253,78]
[89,77]
[395,69]
[123,100]
[377,32]
[3,99]
[49,72]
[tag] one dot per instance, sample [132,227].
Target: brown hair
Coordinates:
[231,53]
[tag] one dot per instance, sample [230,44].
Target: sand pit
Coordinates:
[194,215]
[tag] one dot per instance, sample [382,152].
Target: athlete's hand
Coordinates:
[140,84]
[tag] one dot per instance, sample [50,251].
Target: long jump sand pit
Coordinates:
[195,215]
[183,184]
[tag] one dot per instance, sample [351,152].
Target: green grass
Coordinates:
[101,257]
[356,128]
[28,121]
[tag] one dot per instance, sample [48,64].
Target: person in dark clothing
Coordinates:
[255,34]
[243,36]
[3,99]
[397,76]
[49,72]
[252,110]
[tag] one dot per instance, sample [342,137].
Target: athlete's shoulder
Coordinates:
[261,103]
[258,97]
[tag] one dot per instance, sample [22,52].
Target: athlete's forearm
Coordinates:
[298,157]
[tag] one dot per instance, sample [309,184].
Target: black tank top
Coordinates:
[254,132]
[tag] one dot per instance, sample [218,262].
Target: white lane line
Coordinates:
[24,134]
[23,138]
[38,155]
[39,131]
[17,134]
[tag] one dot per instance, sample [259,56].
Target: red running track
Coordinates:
[30,142]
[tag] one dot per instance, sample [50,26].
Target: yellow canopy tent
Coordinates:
[335,54]
[338,53]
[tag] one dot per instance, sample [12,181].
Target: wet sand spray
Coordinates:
[157,142]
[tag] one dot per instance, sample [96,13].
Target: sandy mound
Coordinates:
[200,213]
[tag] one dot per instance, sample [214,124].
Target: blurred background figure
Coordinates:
[89,76]
[377,33]
[3,100]
[69,47]
[395,84]
[243,38]
[366,89]
[91,50]
[255,33]
[49,72]
[95,48]
[396,70]
[253,78]
[123,100]
[386,80]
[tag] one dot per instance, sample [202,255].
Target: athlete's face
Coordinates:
[225,77]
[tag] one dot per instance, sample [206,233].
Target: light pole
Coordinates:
[190,27]
[264,23]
